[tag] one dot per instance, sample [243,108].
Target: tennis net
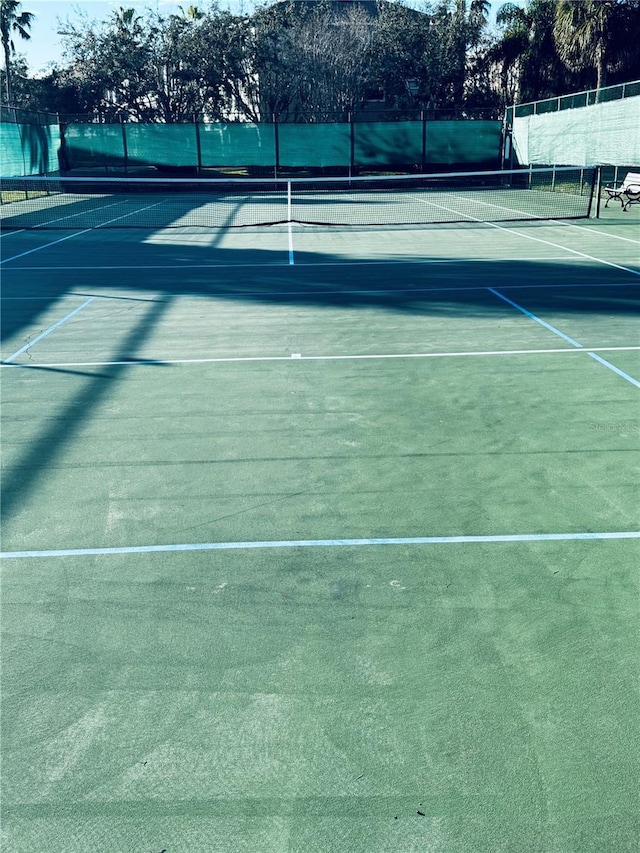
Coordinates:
[154,203]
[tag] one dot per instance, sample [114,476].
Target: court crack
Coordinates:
[238,512]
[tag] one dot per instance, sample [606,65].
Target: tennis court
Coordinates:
[321,538]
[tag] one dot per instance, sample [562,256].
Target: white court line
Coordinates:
[299,357]
[615,369]
[45,246]
[78,233]
[531,237]
[291,256]
[61,218]
[535,318]
[562,335]
[289,225]
[46,332]
[323,543]
[561,222]
[71,215]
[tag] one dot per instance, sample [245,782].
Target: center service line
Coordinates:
[321,543]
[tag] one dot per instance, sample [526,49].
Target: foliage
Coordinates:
[321,60]
[12,21]
[599,35]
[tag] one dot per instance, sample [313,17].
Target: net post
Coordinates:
[198,145]
[598,189]
[423,156]
[289,212]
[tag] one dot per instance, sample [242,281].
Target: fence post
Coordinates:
[125,148]
[198,144]
[276,143]
[423,160]
[64,161]
[352,144]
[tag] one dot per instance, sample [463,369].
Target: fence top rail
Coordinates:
[558,99]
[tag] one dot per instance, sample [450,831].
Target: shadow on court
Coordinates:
[446,288]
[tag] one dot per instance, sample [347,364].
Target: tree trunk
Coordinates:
[601,69]
[7,71]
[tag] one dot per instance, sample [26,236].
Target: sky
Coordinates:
[44,47]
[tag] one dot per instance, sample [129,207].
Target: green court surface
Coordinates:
[321,540]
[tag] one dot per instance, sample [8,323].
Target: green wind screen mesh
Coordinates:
[314,144]
[94,145]
[600,134]
[161,144]
[237,144]
[463,141]
[29,149]
[387,142]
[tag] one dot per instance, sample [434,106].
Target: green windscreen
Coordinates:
[89,146]
[388,142]
[161,144]
[314,144]
[463,141]
[237,144]
[241,145]
[29,149]
[600,134]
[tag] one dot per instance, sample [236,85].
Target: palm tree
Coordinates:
[526,51]
[512,47]
[12,20]
[590,35]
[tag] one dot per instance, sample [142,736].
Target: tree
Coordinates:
[153,68]
[405,59]
[457,31]
[596,35]
[526,54]
[12,20]
[305,60]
